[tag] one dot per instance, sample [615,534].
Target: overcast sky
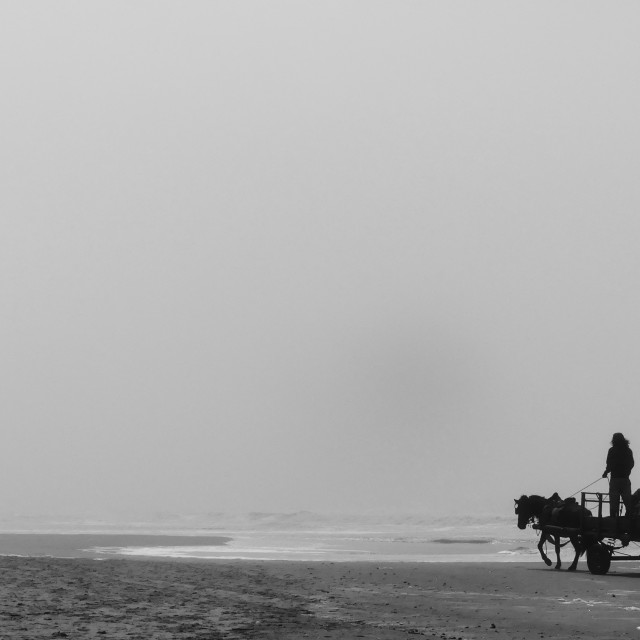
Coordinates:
[336,256]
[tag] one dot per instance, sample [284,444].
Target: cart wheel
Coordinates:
[598,558]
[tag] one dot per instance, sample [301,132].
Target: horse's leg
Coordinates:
[578,549]
[543,539]
[556,544]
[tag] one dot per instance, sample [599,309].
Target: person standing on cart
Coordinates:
[619,465]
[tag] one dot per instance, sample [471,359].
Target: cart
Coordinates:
[603,537]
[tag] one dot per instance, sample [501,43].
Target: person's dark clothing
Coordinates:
[620,488]
[619,462]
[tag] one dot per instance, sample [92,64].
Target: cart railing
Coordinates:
[590,501]
[598,498]
[596,501]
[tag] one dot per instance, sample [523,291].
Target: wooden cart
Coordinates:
[603,537]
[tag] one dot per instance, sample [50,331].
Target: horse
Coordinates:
[557,512]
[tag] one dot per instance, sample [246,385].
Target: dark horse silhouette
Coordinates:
[557,512]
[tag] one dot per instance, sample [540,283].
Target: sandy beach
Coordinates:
[81,598]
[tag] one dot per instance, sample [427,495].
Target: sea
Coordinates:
[302,535]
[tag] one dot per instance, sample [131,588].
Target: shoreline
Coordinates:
[195,599]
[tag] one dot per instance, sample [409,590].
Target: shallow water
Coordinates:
[80,545]
[281,536]
[485,540]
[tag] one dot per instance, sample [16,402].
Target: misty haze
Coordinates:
[343,258]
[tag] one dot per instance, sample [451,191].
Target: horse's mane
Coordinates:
[535,499]
[537,506]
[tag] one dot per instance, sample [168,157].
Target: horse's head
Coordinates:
[531,508]
[523,511]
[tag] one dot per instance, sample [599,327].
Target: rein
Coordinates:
[583,488]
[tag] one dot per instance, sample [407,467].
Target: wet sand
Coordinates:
[142,599]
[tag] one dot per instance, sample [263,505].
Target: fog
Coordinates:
[334,256]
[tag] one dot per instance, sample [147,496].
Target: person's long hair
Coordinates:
[619,440]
